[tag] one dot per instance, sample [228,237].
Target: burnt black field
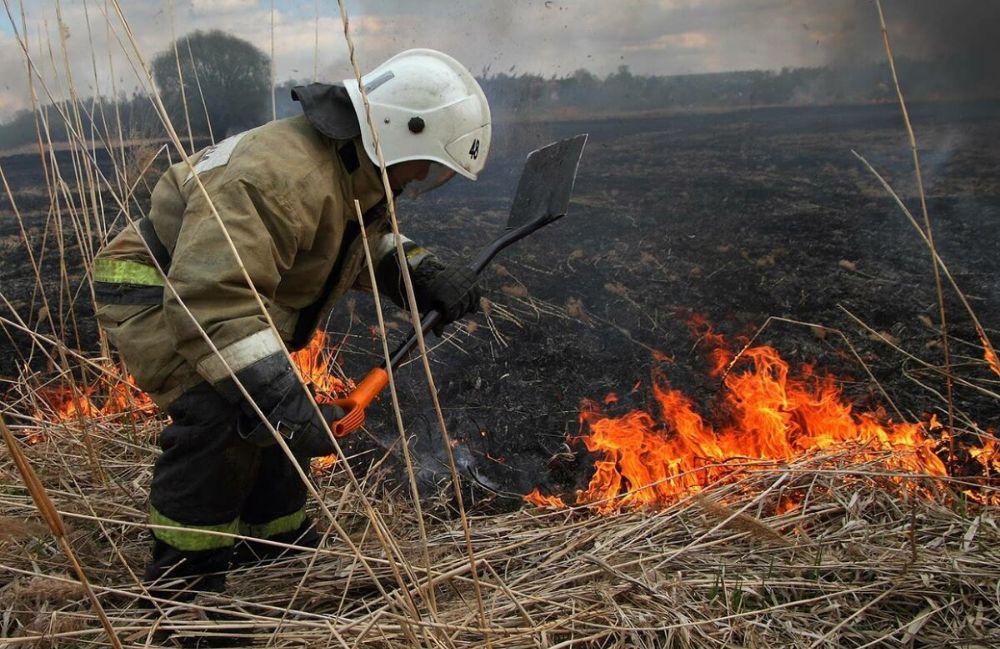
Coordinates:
[737,216]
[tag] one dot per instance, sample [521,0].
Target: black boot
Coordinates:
[178,576]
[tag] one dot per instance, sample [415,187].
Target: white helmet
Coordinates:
[426,106]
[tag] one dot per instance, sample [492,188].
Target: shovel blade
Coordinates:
[546,184]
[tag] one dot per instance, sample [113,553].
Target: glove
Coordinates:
[296,420]
[450,290]
[273,386]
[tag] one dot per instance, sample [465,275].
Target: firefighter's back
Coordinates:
[282,159]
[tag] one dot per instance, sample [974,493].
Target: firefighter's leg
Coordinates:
[275,509]
[200,483]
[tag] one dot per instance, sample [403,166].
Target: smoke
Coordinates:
[965,32]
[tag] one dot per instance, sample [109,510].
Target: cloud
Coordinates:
[685,41]
[221,6]
[554,37]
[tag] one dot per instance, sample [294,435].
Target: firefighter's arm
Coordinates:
[386,263]
[207,277]
[451,290]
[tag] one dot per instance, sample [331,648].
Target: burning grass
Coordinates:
[768,414]
[861,559]
[862,540]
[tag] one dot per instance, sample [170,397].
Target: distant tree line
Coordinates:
[585,93]
[220,84]
[135,114]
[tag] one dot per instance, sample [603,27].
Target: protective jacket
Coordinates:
[285,192]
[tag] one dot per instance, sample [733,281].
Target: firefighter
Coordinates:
[285,193]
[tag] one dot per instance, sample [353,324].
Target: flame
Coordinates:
[538,499]
[102,400]
[767,414]
[719,354]
[323,465]
[988,455]
[316,363]
[111,397]
[990,356]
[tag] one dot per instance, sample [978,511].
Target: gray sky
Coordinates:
[549,37]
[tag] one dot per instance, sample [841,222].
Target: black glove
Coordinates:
[273,386]
[450,290]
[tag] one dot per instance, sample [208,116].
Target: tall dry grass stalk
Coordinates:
[415,322]
[274,105]
[403,439]
[315,76]
[918,173]
[53,520]
[201,94]
[180,76]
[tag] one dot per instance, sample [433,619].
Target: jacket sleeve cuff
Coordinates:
[239,355]
[387,271]
[385,249]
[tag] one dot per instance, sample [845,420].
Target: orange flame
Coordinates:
[990,356]
[540,500]
[109,398]
[323,465]
[767,414]
[316,363]
[101,400]
[719,352]
[988,455]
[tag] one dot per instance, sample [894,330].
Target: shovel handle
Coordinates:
[357,401]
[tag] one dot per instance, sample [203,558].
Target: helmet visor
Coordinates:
[437,175]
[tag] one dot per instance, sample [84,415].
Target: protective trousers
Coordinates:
[208,479]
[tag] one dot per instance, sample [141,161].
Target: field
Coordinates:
[679,223]
[737,217]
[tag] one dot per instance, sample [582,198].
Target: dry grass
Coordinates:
[866,558]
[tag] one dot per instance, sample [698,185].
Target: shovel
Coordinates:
[542,197]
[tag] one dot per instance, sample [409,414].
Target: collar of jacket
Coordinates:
[328,108]
[366,181]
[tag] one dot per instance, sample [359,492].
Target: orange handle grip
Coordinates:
[356,402]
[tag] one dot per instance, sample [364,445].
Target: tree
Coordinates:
[230,74]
